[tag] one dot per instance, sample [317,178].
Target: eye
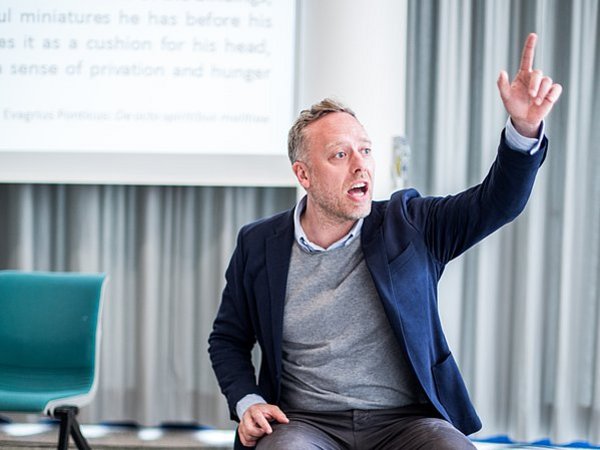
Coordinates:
[340,155]
[366,151]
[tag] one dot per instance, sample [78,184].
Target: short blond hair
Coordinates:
[296,138]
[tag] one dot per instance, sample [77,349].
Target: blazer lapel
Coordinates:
[374,251]
[278,254]
[373,247]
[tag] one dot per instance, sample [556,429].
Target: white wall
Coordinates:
[354,50]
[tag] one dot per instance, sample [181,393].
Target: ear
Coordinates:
[301,171]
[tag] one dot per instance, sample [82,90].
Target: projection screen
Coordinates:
[194,92]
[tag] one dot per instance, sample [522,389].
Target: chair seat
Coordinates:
[30,389]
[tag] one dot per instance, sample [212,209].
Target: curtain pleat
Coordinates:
[165,250]
[521,309]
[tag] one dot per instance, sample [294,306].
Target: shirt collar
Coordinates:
[310,247]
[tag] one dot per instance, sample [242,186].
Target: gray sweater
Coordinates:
[339,351]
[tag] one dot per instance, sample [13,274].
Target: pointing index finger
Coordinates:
[528,53]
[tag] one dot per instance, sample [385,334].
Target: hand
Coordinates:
[531,95]
[255,422]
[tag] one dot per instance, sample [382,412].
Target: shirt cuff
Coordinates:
[246,402]
[520,143]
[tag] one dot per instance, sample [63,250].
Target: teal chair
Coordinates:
[50,345]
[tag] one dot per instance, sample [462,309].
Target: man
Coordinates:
[341,291]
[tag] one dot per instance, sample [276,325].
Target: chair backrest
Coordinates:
[50,319]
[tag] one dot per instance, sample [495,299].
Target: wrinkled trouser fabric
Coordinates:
[363,430]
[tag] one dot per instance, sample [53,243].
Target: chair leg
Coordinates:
[69,426]
[80,441]
[65,426]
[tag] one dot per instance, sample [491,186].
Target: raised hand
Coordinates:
[531,95]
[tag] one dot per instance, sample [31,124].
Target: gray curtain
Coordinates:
[165,250]
[522,309]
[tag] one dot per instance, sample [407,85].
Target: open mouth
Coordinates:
[358,190]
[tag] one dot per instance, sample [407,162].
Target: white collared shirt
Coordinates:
[311,247]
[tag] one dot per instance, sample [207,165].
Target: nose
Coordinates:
[359,162]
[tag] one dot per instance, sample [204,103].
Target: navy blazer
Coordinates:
[406,242]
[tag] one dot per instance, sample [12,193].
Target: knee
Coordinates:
[288,438]
[445,437]
[441,435]
[292,436]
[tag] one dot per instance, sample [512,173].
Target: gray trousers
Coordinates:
[364,430]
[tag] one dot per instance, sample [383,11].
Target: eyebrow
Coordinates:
[339,143]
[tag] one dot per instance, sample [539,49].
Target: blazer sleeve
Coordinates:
[450,225]
[232,337]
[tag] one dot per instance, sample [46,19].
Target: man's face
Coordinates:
[336,168]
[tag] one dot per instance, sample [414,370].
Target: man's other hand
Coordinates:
[255,422]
